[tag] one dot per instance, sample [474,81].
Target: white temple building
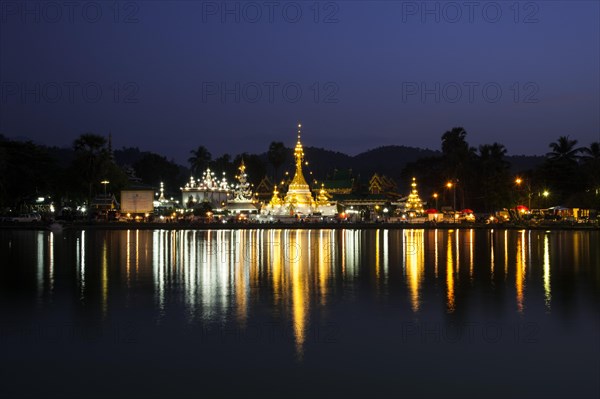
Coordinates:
[208,189]
[242,201]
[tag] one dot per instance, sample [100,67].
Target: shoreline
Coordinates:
[297,226]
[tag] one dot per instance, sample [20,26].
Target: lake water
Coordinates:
[300,313]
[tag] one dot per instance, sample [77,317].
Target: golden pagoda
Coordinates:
[276,199]
[298,197]
[323,196]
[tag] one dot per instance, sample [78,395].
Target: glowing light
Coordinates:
[547,291]
[449,276]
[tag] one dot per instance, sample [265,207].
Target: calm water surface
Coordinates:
[286,313]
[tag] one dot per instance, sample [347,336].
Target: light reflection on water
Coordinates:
[217,275]
[306,312]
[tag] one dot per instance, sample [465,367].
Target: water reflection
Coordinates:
[450,275]
[44,263]
[520,271]
[547,293]
[218,276]
[415,263]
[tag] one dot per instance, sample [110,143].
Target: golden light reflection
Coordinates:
[217,274]
[241,271]
[299,306]
[520,271]
[435,254]
[323,266]
[471,262]
[128,258]
[547,291]
[104,280]
[299,295]
[415,264]
[492,237]
[456,242]
[505,254]
[450,276]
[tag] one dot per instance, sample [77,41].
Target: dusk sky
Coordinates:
[177,74]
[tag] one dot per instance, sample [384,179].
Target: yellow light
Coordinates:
[518,181]
[545,193]
[449,184]
[435,195]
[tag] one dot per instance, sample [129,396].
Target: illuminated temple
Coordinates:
[299,199]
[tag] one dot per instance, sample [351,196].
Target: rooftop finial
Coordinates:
[299,131]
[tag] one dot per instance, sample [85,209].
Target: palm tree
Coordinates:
[493,152]
[276,155]
[199,160]
[564,149]
[591,166]
[458,159]
[592,153]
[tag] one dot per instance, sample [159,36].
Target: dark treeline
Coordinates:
[481,177]
[483,180]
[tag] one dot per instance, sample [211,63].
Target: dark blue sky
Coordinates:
[370,73]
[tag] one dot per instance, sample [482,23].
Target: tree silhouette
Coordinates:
[276,156]
[493,173]
[91,156]
[591,168]
[458,160]
[591,153]
[564,150]
[199,160]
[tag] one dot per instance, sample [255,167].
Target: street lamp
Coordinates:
[104,183]
[518,181]
[545,194]
[435,195]
[452,186]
